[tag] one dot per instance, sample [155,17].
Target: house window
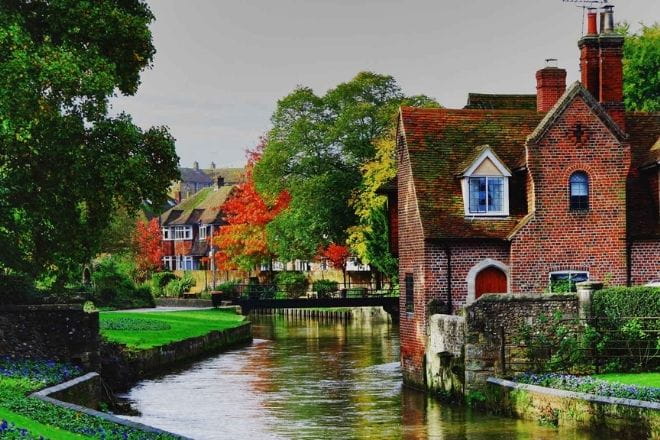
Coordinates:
[486,195]
[185,262]
[183,233]
[169,262]
[410,290]
[204,231]
[167,234]
[564,281]
[579,189]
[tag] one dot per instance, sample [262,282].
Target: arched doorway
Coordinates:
[490,280]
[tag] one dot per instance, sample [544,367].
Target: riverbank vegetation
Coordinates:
[25,417]
[147,330]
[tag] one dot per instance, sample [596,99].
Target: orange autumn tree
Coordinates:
[149,252]
[337,255]
[242,241]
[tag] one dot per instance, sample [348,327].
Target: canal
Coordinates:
[313,379]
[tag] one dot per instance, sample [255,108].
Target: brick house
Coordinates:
[188,227]
[524,193]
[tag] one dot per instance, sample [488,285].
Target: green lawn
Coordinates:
[642,379]
[153,329]
[37,429]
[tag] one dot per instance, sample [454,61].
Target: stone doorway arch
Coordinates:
[487,274]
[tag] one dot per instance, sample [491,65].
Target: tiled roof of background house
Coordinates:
[644,134]
[194,175]
[231,175]
[487,101]
[203,206]
[440,141]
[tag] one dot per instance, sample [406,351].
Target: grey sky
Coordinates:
[221,65]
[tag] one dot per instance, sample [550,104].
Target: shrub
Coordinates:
[293,284]
[15,289]
[229,289]
[626,320]
[114,287]
[179,286]
[325,288]
[158,282]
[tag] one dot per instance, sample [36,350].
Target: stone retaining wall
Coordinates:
[445,356]
[122,367]
[567,408]
[180,302]
[64,333]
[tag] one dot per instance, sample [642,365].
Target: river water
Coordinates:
[313,379]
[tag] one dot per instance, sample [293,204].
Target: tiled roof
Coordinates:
[194,175]
[440,142]
[231,175]
[487,101]
[203,206]
[644,133]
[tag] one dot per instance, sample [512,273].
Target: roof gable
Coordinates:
[201,207]
[485,153]
[576,89]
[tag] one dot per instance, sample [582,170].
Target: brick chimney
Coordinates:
[220,182]
[611,69]
[590,56]
[550,85]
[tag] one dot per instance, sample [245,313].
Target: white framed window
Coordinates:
[167,234]
[204,231]
[185,262]
[485,186]
[169,262]
[564,281]
[301,265]
[183,233]
[353,264]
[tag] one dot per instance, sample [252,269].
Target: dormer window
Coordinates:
[485,185]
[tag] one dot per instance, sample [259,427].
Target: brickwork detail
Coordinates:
[645,262]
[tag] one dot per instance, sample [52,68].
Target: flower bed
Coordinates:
[21,377]
[588,384]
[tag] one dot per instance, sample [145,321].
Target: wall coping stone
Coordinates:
[39,307]
[523,297]
[573,394]
[44,395]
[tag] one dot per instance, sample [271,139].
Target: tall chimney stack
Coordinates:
[610,79]
[589,56]
[550,85]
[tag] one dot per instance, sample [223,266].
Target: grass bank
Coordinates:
[639,379]
[23,417]
[141,331]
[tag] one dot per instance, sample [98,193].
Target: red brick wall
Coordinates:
[557,238]
[645,261]
[412,326]
[393,215]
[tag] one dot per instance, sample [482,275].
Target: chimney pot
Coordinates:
[196,165]
[608,24]
[212,165]
[591,22]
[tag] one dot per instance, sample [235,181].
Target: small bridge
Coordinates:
[257,297]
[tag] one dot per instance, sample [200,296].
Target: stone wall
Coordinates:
[57,332]
[492,316]
[445,357]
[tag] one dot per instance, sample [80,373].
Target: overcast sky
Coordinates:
[222,65]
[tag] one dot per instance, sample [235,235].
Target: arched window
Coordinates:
[579,190]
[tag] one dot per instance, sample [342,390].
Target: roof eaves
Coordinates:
[562,104]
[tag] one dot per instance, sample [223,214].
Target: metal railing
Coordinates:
[582,346]
[294,291]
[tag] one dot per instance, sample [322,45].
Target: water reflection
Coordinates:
[312,379]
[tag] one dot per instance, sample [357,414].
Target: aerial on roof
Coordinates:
[202,207]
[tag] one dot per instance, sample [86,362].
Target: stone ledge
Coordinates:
[573,394]
[39,307]
[44,395]
[523,297]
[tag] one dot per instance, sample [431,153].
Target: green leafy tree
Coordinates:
[65,164]
[315,151]
[641,68]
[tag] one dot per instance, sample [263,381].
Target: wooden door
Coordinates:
[490,280]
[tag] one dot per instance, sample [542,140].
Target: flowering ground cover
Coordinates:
[152,329]
[592,385]
[29,418]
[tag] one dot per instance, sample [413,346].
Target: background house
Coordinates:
[195,179]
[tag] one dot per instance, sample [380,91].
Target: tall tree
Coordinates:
[242,241]
[315,151]
[641,68]
[369,239]
[148,247]
[65,164]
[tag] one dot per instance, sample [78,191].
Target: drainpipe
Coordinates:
[449,299]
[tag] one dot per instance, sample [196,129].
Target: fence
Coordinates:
[294,291]
[573,346]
